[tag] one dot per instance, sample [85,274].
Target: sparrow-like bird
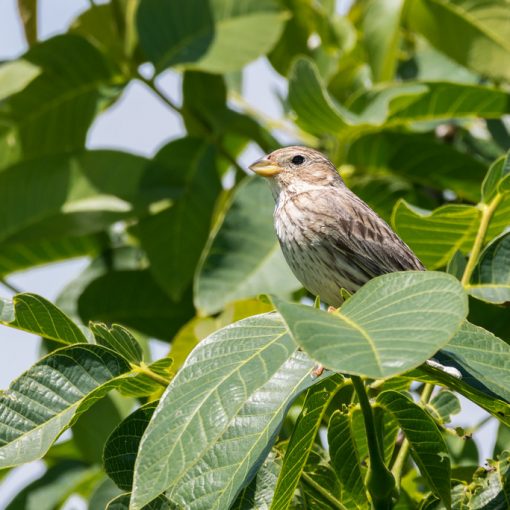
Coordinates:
[331,239]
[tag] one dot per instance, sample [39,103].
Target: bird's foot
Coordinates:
[332,309]
[317,371]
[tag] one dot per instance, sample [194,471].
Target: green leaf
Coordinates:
[258,494]
[498,171]
[412,155]
[435,236]
[121,447]
[93,427]
[428,447]
[230,397]
[175,237]
[481,25]
[41,403]
[36,315]
[443,405]
[15,76]
[302,439]
[133,298]
[173,32]
[482,357]
[118,339]
[491,278]
[105,491]
[54,197]
[53,487]
[345,460]
[54,111]
[143,384]
[206,35]
[381,37]
[243,257]
[364,338]
[122,503]
[316,110]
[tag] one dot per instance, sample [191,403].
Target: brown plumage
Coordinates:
[331,239]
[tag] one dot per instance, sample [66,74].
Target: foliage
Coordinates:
[411,102]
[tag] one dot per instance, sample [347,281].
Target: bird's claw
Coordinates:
[317,371]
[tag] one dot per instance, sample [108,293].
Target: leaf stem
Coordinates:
[321,490]
[146,370]
[487,212]
[398,465]
[380,481]
[11,287]
[207,131]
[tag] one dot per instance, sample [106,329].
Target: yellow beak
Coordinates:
[265,168]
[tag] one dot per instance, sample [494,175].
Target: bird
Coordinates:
[331,239]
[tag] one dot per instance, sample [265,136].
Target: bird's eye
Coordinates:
[298,160]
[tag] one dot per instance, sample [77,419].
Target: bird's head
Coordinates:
[294,169]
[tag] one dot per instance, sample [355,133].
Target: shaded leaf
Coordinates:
[133,298]
[258,494]
[428,448]
[243,257]
[302,439]
[491,278]
[242,379]
[175,237]
[122,503]
[364,338]
[498,171]
[105,491]
[480,25]
[121,447]
[345,460]
[36,315]
[72,378]
[413,156]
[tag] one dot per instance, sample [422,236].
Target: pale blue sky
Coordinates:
[140,123]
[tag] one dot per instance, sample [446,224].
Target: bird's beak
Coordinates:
[265,168]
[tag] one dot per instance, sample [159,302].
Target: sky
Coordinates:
[140,123]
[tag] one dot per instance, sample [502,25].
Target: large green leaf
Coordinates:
[216,36]
[175,237]
[480,25]
[41,403]
[133,298]
[122,502]
[491,277]
[428,447]
[345,460]
[381,36]
[15,76]
[420,159]
[217,419]
[302,439]
[393,323]
[435,236]
[243,258]
[54,111]
[36,315]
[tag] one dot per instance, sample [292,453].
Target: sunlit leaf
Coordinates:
[230,397]
[364,338]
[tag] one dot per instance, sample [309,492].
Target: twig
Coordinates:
[11,287]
